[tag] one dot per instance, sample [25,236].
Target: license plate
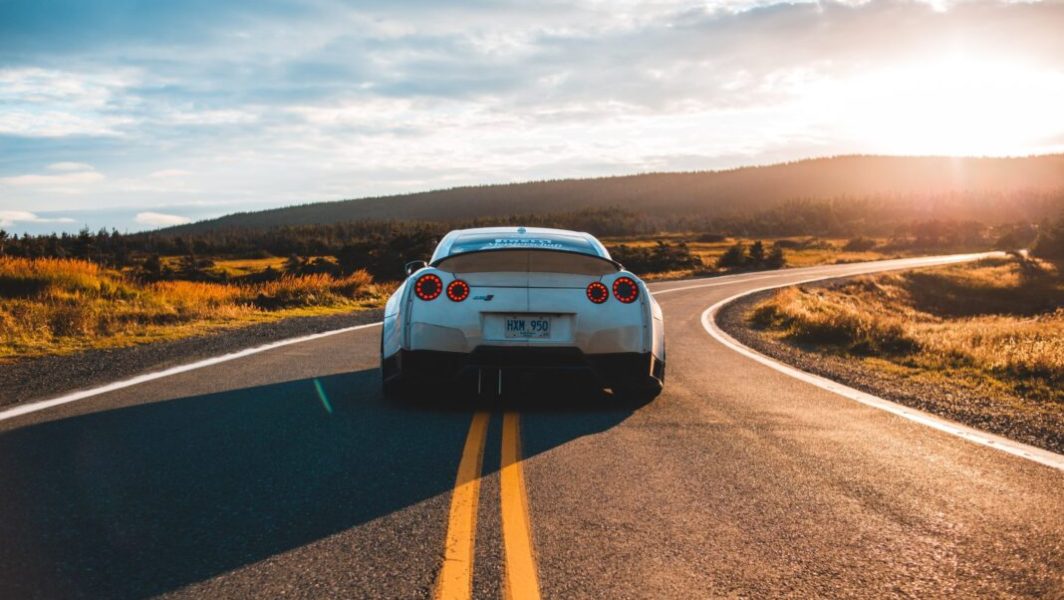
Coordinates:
[531,326]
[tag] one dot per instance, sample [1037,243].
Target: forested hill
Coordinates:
[983,189]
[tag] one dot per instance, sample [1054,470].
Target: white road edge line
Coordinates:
[825,271]
[1032,453]
[72,397]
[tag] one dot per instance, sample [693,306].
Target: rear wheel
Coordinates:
[395,388]
[644,390]
[638,394]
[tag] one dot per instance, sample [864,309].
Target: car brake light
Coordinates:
[625,290]
[597,293]
[458,290]
[428,287]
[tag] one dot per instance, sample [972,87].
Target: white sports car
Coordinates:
[496,304]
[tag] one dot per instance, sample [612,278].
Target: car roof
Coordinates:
[481,239]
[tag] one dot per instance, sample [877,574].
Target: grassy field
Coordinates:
[995,327]
[799,251]
[57,306]
[246,266]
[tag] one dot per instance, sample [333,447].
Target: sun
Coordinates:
[954,105]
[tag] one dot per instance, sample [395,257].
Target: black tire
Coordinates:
[394,389]
[638,394]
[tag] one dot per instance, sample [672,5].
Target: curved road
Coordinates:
[285,473]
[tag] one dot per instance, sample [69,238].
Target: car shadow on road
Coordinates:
[146,499]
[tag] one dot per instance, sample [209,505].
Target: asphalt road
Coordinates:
[286,474]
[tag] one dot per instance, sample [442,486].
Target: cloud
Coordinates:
[168,173]
[44,102]
[9,218]
[70,166]
[277,102]
[155,219]
[68,177]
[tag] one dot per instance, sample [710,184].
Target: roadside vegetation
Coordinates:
[674,256]
[62,305]
[989,335]
[808,232]
[60,293]
[56,306]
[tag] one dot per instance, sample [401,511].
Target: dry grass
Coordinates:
[246,266]
[819,252]
[50,306]
[997,324]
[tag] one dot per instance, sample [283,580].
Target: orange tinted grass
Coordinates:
[931,320]
[50,306]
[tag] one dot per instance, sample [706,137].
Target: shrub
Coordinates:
[734,257]
[1050,242]
[776,259]
[661,258]
[711,238]
[757,254]
[817,317]
[859,244]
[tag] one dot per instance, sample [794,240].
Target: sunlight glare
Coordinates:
[956,105]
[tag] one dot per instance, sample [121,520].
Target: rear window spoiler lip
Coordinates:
[438,262]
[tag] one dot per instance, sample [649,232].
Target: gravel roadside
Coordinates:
[48,376]
[1012,417]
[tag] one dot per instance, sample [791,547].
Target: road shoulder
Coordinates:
[39,378]
[1020,423]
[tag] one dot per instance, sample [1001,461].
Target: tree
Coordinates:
[152,268]
[294,265]
[733,258]
[775,259]
[3,239]
[1050,242]
[859,244]
[757,254]
[84,245]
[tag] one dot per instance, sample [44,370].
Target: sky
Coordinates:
[138,114]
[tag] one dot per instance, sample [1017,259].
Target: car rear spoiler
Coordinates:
[440,263]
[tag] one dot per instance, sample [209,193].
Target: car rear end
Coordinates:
[495,320]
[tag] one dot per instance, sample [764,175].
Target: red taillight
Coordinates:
[597,293]
[625,290]
[428,287]
[458,290]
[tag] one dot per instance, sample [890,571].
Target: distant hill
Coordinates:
[986,189]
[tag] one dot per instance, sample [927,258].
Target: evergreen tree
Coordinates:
[152,268]
[775,259]
[757,254]
[1050,242]
[733,258]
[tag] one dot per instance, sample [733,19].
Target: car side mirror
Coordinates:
[414,265]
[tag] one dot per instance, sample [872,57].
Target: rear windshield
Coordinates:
[477,242]
[532,261]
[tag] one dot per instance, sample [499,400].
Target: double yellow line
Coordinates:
[455,581]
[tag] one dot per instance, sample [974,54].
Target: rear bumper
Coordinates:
[484,330]
[614,370]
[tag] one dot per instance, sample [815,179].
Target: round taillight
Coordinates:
[625,290]
[598,293]
[428,287]
[458,290]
